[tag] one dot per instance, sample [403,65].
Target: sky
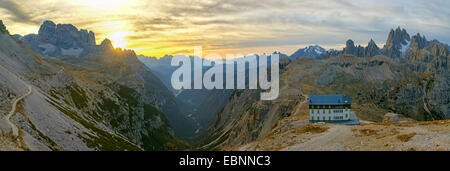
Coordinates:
[159,27]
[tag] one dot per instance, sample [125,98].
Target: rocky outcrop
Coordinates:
[432,57]
[397,43]
[418,42]
[391,118]
[372,49]
[106,45]
[329,53]
[351,49]
[3,29]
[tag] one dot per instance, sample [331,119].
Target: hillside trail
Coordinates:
[425,105]
[7,118]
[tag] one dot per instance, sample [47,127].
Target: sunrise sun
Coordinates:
[119,39]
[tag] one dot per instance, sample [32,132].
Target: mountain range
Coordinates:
[62,91]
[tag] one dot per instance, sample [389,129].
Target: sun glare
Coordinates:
[119,39]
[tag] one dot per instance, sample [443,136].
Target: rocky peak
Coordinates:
[438,49]
[371,49]
[106,45]
[68,36]
[65,35]
[349,44]
[47,32]
[396,43]
[351,49]
[3,28]
[316,49]
[418,42]
[61,40]
[372,43]
[312,51]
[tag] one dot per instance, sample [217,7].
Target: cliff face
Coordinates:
[61,40]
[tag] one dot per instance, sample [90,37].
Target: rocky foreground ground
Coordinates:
[296,134]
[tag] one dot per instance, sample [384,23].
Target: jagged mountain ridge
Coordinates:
[399,45]
[60,40]
[397,42]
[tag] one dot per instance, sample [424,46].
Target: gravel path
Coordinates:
[15,130]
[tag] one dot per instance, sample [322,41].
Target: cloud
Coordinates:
[18,13]
[174,25]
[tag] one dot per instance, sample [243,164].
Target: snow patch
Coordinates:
[47,48]
[318,51]
[76,52]
[405,47]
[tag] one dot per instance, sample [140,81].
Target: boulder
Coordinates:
[391,118]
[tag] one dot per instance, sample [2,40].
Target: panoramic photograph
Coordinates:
[224,75]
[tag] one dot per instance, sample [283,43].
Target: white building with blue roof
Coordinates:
[329,108]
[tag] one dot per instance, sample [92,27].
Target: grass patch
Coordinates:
[312,129]
[406,137]
[130,95]
[368,132]
[78,96]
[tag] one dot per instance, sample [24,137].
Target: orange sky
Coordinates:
[159,27]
